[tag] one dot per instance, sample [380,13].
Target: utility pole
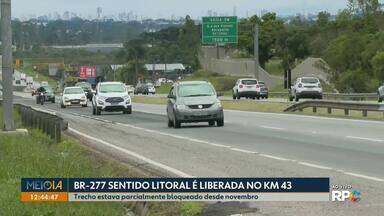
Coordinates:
[7,71]
[256,51]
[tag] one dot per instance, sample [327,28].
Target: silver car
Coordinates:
[194,101]
[380,93]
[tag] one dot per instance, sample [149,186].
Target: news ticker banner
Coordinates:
[174,189]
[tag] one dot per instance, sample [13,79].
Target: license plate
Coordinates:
[249,87]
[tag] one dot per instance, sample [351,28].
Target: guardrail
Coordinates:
[47,122]
[335,96]
[346,106]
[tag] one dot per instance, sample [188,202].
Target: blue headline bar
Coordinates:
[180,185]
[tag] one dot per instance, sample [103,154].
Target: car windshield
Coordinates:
[249,82]
[116,88]
[48,89]
[84,85]
[309,80]
[74,91]
[196,90]
[261,83]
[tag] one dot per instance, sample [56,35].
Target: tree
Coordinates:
[323,19]
[378,65]
[364,7]
[269,29]
[135,51]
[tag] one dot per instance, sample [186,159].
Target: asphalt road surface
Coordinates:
[251,144]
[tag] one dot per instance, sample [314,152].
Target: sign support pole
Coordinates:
[217,51]
[256,51]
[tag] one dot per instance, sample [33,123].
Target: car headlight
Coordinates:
[126,97]
[66,99]
[100,102]
[128,101]
[181,106]
[83,98]
[217,105]
[101,98]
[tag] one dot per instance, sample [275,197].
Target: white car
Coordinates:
[130,89]
[111,97]
[306,87]
[151,88]
[249,88]
[73,96]
[380,93]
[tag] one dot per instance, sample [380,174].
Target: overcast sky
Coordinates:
[167,8]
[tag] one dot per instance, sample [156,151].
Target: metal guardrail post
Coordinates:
[346,112]
[314,109]
[365,113]
[329,110]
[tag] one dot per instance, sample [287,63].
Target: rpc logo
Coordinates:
[342,196]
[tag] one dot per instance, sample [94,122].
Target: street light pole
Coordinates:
[7,71]
[256,51]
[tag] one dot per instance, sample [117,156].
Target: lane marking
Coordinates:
[243,151]
[366,139]
[274,157]
[304,116]
[364,176]
[315,166]
[272,128]
[133,154]
[217,145]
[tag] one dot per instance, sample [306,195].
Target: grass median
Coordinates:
[270,107]
[35,155]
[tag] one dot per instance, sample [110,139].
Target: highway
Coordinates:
[251,144]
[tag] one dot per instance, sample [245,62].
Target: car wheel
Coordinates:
[297,98]
[176,123]
[127,111]
[233,96]
[53,100]
[258,97]
[93,110]
[211,123]
[84,105]
[238,96]
[98,111]
[380,99]
[220,122]
[63,106]
[170,123]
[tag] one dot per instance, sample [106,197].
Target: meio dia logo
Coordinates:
[44,185]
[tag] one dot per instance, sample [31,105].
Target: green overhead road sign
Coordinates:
[220,30]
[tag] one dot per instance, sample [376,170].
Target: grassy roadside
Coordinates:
[35,155]
[247,105]
[39,77]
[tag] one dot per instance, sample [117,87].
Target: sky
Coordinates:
[176,8]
